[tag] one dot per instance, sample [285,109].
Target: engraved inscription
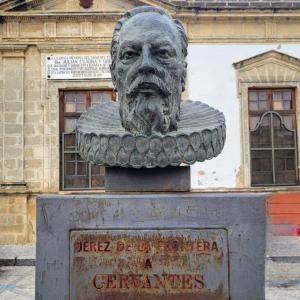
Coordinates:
[78,66]
[149,264]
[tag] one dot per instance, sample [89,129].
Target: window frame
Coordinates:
[244,178]
[263,70]
[280,113]
[62,116]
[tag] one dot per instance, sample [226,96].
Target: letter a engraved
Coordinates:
[148,264]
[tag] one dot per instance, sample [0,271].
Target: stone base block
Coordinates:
[187,246]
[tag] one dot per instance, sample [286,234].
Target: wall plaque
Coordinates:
[78,66]
[183,264]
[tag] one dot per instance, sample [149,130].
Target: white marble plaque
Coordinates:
[61,67]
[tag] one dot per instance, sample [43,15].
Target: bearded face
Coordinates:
[148,74]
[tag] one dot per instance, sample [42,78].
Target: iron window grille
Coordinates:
[273,137]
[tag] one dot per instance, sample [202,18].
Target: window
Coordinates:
[75,172]
[273,146]
[268,83]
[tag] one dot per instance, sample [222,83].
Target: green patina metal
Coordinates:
[150,126]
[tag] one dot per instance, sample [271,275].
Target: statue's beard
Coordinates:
[149,106]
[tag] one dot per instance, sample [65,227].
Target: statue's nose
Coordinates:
[146,65]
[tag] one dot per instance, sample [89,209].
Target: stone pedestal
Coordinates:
[169,179]
[179,246]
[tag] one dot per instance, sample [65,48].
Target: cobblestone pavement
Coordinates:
[282,281]
[17,283]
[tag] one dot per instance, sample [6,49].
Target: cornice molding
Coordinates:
[164,4]
[187,16]
[241,40]
[236,15]
[61,43]
[267,56]
[13,47]
[229,27]
[64,16]
[10,5]
[73,47]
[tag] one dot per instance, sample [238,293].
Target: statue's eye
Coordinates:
[163,53]
[129,54]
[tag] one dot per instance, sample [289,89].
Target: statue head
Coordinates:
[148,69]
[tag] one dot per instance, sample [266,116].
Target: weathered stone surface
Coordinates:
[242,215]
[13,219]
[189,264]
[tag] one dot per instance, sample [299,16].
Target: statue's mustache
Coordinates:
[147,82]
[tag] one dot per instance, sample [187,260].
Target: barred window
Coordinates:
[273,142]
[75,172]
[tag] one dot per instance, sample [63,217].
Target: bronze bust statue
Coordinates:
[149,70]
[150,126]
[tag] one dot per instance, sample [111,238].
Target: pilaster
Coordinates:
[13,115]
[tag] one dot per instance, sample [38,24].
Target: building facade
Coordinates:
[244,59]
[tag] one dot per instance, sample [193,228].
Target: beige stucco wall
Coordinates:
[29,103]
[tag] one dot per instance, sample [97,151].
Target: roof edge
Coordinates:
[268,54]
